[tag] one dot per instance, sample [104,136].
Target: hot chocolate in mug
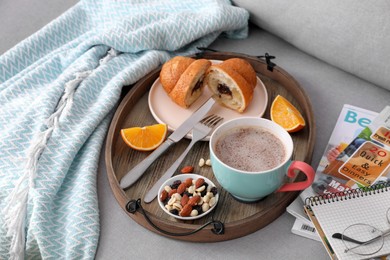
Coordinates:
[251,158]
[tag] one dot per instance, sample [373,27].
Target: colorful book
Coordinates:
[365,161]
[351,122]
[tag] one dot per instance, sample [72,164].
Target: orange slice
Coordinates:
[145,138]
[286,115]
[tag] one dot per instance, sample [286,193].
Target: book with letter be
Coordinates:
[366,160]
[353,224]
[350,123]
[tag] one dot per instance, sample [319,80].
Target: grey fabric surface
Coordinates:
[352,35]
[328,89]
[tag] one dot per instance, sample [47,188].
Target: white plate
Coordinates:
[165,111]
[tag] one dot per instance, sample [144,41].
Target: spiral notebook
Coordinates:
[333,213]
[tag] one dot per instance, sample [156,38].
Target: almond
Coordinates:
[194,200]
[186,211]
[187,169]
[188,182]
[163,195]
[182,188]
[199,182]
[173,191]
[184,200]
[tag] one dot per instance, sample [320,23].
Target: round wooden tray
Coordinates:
[239,218]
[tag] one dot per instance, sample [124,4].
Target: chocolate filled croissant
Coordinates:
[244,68]
[182,78]
[232,83]
[172,70]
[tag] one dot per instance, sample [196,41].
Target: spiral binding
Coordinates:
[347,195]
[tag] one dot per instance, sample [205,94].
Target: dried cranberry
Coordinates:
[175,184]
[198,208]
[174,212]
[214,190]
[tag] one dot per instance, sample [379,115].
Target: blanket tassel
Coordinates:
[15,211]
[16,208]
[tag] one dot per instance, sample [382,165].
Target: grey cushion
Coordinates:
[352,35]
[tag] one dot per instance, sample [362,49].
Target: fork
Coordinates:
[200,131]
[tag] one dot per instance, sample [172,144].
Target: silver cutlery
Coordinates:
[200,131]
[134,174]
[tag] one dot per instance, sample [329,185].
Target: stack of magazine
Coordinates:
[345,162]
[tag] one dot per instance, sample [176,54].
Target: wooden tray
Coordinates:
[239,218]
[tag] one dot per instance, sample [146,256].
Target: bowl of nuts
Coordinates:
[188,196]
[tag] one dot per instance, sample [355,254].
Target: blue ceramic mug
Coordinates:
[249,186]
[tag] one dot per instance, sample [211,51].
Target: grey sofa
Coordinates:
[332,69]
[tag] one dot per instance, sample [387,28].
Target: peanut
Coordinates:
[208,162]
[201,162]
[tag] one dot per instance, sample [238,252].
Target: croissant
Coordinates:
[182,78]
[232,83]
[244,68]
[172,70]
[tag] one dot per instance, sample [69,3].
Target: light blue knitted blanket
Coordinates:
[58,90]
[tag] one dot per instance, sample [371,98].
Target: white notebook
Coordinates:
[333,214]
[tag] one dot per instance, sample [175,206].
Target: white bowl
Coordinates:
[183,177]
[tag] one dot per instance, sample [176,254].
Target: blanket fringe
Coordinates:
[66,100]
[16,208]
[110,54]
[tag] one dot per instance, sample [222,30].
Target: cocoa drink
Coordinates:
[250,149]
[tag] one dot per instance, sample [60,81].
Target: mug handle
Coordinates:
[303,167]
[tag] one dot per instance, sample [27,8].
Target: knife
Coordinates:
[134,174]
